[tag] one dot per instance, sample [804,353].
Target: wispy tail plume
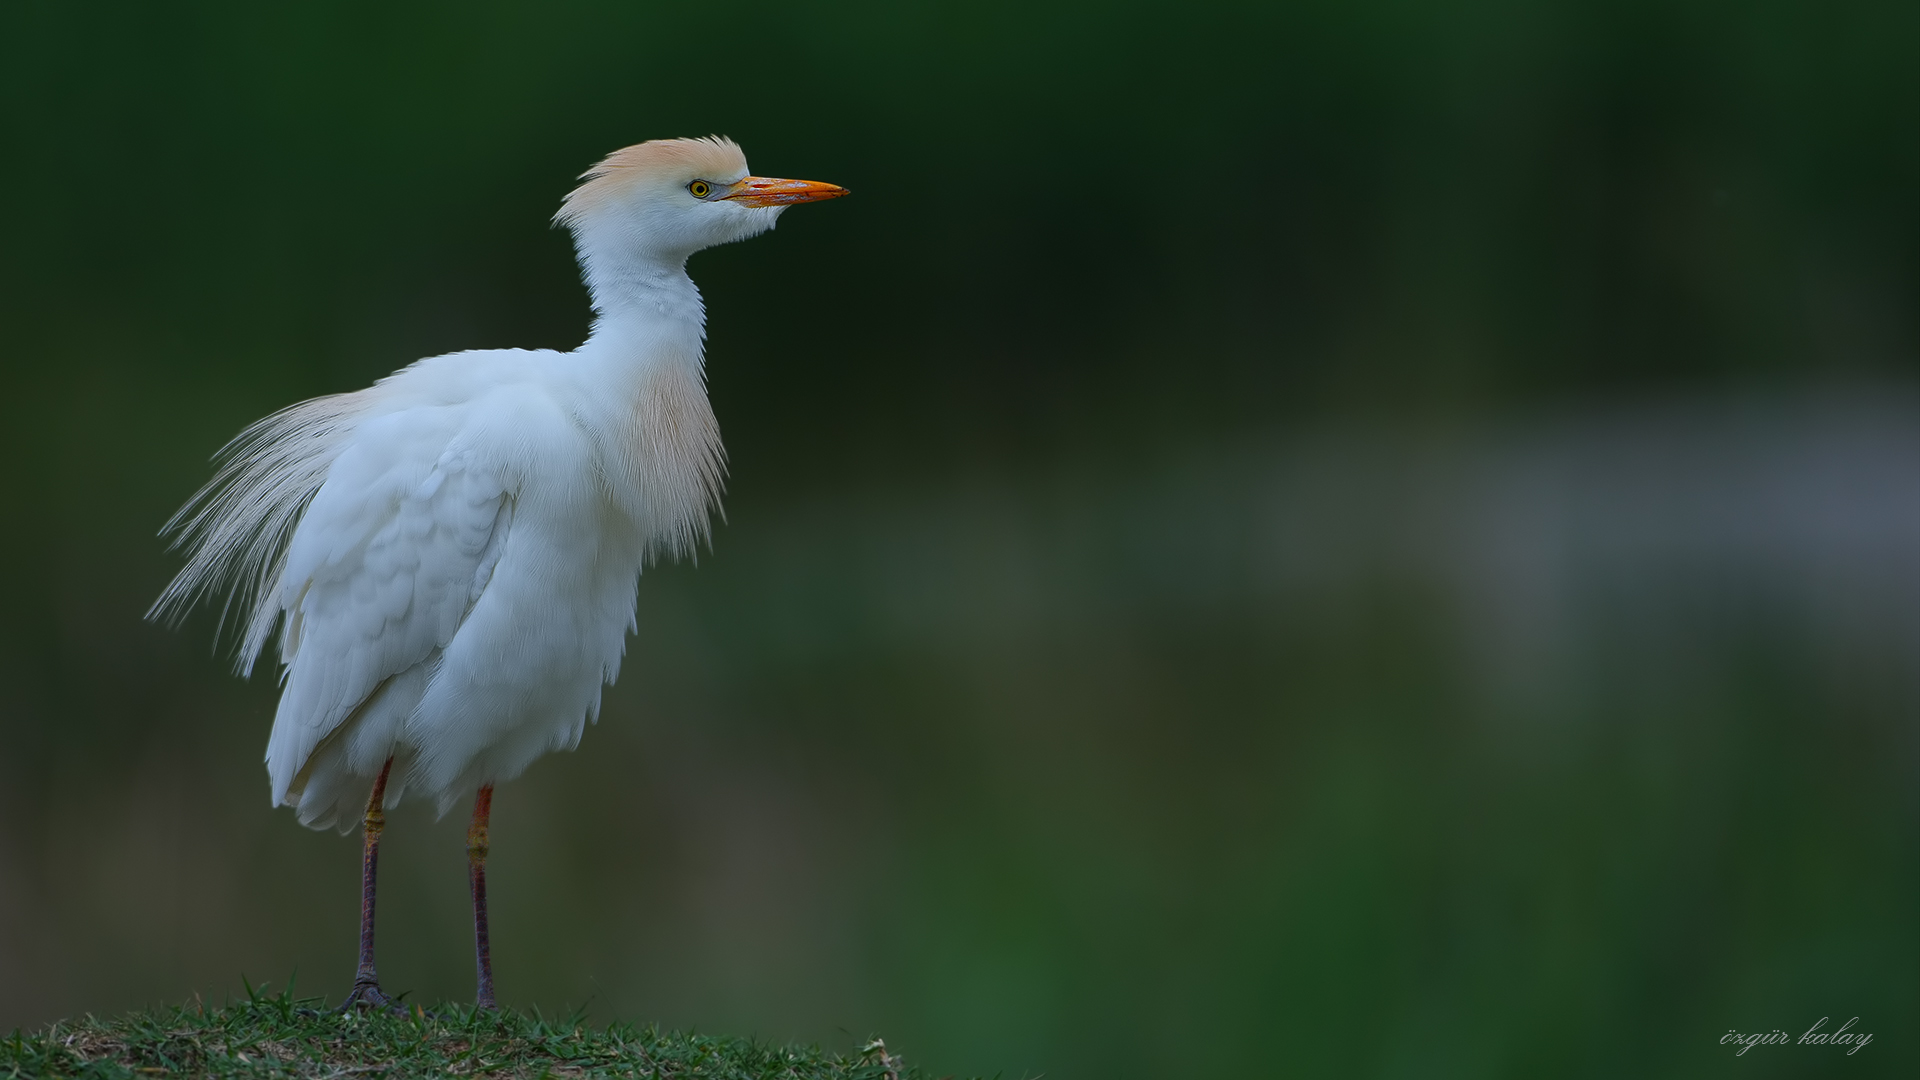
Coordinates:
[236,528]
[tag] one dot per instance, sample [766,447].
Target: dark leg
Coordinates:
[366,985]
[477,877]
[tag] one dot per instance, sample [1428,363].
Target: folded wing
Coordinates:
[396,547]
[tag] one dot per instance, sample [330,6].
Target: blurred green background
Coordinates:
[1318,539]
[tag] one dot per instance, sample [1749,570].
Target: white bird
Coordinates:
[451,554]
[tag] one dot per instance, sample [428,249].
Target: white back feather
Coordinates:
[236,528]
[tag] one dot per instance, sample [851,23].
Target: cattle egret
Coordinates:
[451,553]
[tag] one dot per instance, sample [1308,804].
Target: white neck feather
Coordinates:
[647,344]
[639,294]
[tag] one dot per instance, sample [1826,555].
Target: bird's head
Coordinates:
[666,199]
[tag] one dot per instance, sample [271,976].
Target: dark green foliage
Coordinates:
[280,1035]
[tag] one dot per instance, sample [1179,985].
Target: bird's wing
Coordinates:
[392,553]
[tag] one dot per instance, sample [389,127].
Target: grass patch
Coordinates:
[282,1036]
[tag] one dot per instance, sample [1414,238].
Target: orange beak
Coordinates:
[766,191]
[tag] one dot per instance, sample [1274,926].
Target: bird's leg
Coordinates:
[366,985]
[477,876]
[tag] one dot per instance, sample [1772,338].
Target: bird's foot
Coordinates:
[366,994]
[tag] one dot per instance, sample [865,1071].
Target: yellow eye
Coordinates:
[700,189]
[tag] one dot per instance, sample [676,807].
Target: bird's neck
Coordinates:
[646,354]
[644,296]
[649,326]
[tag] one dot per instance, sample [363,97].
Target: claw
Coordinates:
[368,996]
